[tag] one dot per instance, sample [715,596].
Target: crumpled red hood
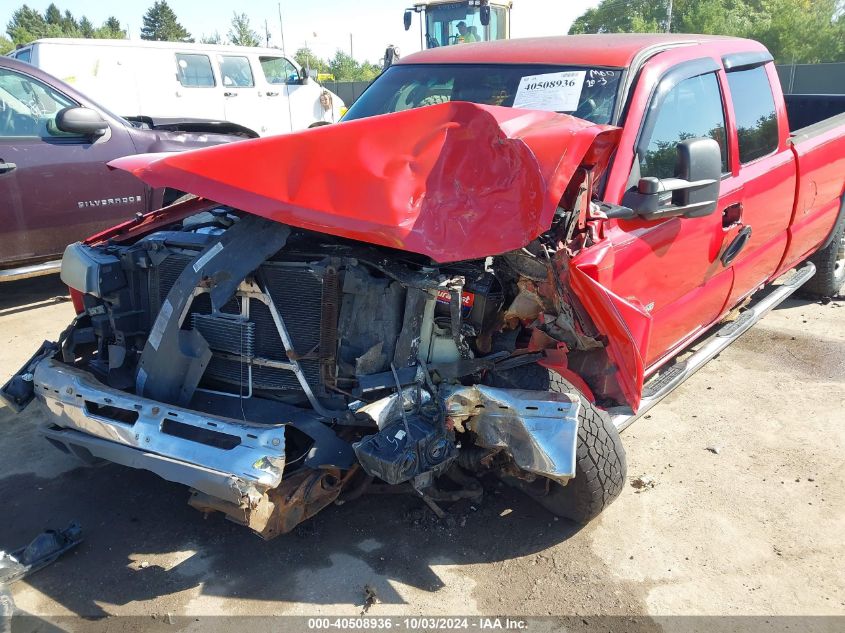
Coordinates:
[452,181]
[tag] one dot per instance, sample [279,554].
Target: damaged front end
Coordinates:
[275,369]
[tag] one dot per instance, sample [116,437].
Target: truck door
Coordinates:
[278,87]
[55,187]
[241,102]
[671,266]
[197,93]
[765,166]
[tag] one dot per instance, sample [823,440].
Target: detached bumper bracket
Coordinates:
[19,390]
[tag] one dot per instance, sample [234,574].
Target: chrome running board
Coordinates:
[25,272]
[672,376]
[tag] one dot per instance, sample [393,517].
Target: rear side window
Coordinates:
[692,109]
[278,70]
[235,71]
[25,55]
[754,108]
[194,71]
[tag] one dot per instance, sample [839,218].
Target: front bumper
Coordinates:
[237,467]
[224,458]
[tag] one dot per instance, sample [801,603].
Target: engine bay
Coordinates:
[380,364]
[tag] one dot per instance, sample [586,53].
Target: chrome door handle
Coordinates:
[735,247]
[230,94]
[7,167]
[270,93]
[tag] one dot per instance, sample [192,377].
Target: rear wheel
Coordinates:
[600,467]
[830,265]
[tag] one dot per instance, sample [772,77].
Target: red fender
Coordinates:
[626,326]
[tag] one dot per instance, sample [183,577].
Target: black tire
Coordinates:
[830,266]
[600,468]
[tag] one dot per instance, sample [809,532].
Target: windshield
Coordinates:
[457,23]
[587,93]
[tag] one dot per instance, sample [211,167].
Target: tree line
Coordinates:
[28,24]
[795,31]
[160,23]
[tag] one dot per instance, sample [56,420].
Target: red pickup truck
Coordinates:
[496,283]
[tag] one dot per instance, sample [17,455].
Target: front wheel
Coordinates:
[600,467]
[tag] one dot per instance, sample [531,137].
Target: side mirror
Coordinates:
[407,19]
[694,191]
[485,15]
[82,121]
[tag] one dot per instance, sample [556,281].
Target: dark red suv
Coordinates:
[55,186]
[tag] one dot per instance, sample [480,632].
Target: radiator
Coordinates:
[236,343]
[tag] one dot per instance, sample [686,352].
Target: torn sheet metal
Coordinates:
[538,429]
[452,181]
[627,327]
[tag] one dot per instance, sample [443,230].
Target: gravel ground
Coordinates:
[743,512]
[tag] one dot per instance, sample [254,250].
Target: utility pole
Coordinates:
[669,18]
[282,29]
[266,34]
[350,47]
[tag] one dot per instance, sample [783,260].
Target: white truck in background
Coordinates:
[259,89]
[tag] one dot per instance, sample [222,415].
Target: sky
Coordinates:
[325,25]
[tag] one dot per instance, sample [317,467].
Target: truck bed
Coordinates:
[819,148]
[807,110]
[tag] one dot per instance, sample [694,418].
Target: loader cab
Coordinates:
[445,23]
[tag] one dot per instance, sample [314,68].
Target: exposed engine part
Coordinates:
[481,299]
[405,449]
[389,409]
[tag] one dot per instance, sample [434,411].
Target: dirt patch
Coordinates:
[753,528]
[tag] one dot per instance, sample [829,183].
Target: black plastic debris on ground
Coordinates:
[40,552]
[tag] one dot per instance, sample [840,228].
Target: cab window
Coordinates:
[194,71]
[28,108]
[24,55]
[235,71]
[278,70]
[692,109]
[591,92]
[754,108]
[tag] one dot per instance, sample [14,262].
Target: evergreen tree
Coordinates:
[53,15]
[212,39]
[69,26]
[241,33]
[26,25]
[160,24]
[111,30]
[86,29]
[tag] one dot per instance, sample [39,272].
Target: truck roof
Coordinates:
[186,46]
[614,50]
